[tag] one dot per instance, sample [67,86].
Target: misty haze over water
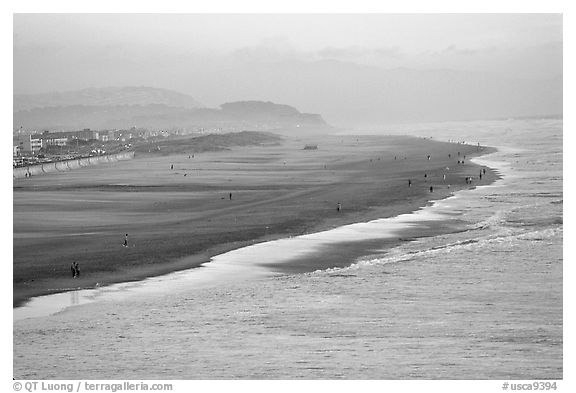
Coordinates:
[351,69]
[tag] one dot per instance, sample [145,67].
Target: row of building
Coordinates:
[26,144]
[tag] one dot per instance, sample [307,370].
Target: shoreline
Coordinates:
[237,264]
[362,213]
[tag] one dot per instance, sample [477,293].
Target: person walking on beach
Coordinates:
[409,183]
[171,166]
[431,189]
[126,240]
[339,206]
[230,196]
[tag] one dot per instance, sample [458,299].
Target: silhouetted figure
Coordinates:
[428,157]
[230,196]
[339,206]
[431,189]
[77,269]
[126,240]
[409,183]
[73,269]
[171,166]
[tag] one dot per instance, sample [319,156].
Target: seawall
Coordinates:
[68,165]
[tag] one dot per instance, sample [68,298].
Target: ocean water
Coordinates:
[483,301]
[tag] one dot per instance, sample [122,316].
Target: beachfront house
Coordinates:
[27,144]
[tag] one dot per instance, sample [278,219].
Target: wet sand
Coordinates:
[178,218]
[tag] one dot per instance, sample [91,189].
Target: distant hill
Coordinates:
[347,93]
[257,108]
[262,111]
[246,114]
[106,96]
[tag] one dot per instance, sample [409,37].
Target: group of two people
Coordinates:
[75,270]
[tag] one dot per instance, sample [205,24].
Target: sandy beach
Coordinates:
[181,209]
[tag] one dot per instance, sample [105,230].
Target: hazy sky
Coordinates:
[60,51]
[190,52]
[224,33]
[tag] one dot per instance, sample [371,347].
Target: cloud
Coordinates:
[357,52]
[350,52]
[269,50]
[392,51]
[454,50]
